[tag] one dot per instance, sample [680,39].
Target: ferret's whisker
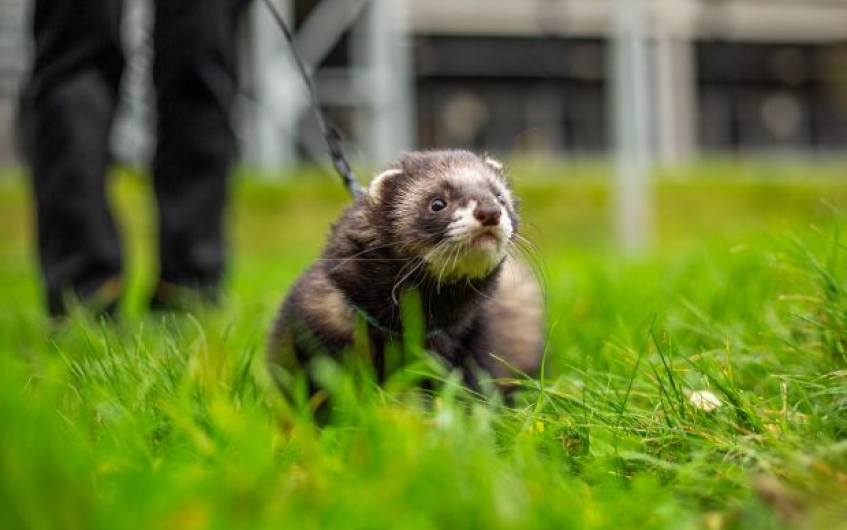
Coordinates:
[533,256]
[356,257]
[398,283]
[438,250]
[477,291]
[536,266]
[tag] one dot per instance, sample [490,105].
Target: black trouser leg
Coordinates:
[71,102]
[195,79]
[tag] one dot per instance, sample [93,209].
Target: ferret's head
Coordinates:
[452,209]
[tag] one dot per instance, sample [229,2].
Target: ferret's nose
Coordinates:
[488,215]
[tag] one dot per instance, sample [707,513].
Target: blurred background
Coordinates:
[513,77]
[637,86]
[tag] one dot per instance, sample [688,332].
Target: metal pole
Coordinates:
[675,87]
[631,113]
[279,100]
[383,57]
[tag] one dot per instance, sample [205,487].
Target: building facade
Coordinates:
[725,76]
[513,77]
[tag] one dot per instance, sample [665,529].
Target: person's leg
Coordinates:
[70,104]
[195,79]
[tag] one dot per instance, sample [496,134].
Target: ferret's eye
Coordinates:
[437,205]
[501,199]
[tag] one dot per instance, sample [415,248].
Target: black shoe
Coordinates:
[102,303]
[174,298]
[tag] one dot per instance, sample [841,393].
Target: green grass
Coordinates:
[171,422]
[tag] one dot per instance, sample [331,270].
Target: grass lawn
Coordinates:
[171,422]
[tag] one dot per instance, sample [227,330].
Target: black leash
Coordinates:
[329,132]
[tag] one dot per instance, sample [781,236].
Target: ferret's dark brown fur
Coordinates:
[440,222]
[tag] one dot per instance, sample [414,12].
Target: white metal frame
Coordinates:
[378,85]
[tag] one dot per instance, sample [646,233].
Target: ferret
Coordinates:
[443,223]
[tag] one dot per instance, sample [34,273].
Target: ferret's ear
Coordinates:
[494,164]
[377,185]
